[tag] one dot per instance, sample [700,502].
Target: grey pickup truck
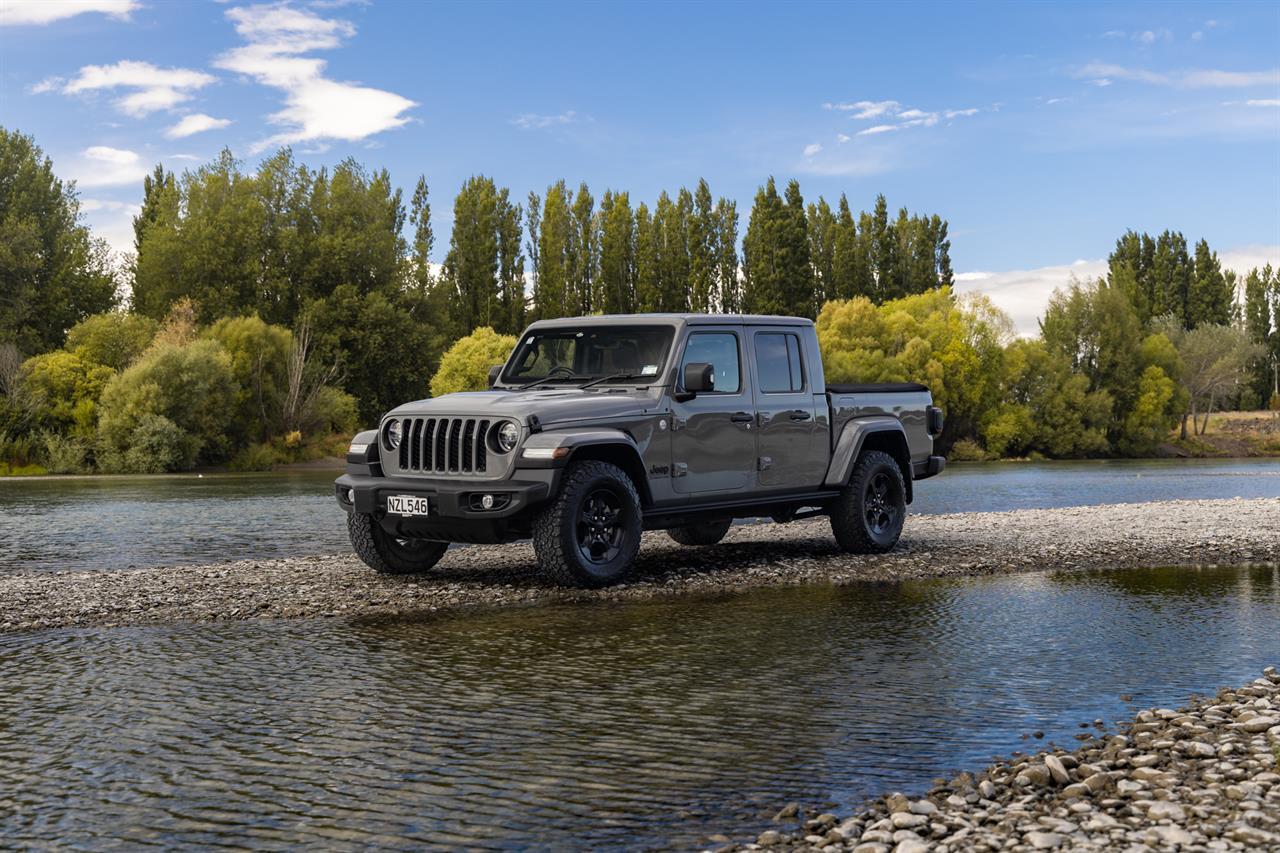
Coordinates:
[598,428]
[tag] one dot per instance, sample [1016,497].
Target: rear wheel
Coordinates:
[589,534]
[388,554]
[868,517]
[701,534]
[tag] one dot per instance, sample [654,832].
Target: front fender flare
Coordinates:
[850,442]
[571,440]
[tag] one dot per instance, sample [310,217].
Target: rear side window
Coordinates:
[778,362]
[719,349]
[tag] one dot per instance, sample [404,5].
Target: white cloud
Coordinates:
[151,88]
[1263,102]
[812,149]
[535,121]
[315,107]
[1104,72]
[865,109]
[879,128]
[103,166]
[1101,82]
[843,137]
[1024,294]
[916,118]
[18,12]
[971,111]
[1114,34]
[1152,36]
[1197,35]
[195,123]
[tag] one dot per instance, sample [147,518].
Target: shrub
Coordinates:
[259,354]
[255,457]
[157,445]
[190,386]
[332,410]
[63,389]
[465,367]
[967,450]
[113,339]
[18,451]
[64,454]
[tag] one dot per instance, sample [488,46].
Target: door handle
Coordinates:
[800,415]
[742,417]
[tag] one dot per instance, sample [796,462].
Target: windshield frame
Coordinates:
[568,330]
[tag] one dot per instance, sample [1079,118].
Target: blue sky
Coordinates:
[1040,131]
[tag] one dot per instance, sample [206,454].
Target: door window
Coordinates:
[719,349]
[778,363]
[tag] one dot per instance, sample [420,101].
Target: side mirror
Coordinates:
[698,377]
[494,373]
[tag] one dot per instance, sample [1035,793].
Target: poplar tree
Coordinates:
[1211,294]
[729,287]
[703,247]
[823,230]
[617,254]
[471,266]
[882,250]
[553,292]
[583,252]
[797,272]
[423,236]
[646,264]
[511,319]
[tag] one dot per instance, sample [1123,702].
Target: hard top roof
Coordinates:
[676,319]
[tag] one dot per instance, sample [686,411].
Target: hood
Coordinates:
[550,405]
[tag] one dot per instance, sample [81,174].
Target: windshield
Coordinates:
[574,356]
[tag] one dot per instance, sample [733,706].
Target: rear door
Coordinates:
[713,436]
[791,437]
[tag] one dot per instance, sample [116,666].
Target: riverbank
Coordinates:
[1203,777]
[1217,532]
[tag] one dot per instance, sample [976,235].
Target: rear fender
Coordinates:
[878,432]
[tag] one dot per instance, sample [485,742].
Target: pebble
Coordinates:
[1128,535]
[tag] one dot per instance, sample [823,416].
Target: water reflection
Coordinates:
[611,725]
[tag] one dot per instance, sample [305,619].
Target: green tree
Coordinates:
[671,248]
[52,272]
[703,248]
[424,238]
[553,289]
[584,251]
[823,232]
[113,338]
[258,354]
[646,275]
[729,295]
[471,267]
[159,201]
[1212,294]
[617,254]
[1262,324]
[465,367]
[775,254]
[1214,363]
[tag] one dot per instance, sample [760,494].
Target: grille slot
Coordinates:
[444,445]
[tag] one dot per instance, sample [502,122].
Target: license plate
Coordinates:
[407,505]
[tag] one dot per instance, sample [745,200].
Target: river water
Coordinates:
[105,523]
[639,725]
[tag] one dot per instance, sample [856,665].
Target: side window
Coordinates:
[719,349]
[778,363]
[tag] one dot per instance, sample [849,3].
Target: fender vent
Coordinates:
[444,445]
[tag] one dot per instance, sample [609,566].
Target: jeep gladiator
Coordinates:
[598,428]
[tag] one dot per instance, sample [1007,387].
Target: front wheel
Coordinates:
[868,517]
[388,555]
[590,534]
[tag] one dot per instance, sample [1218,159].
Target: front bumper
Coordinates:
[455,512]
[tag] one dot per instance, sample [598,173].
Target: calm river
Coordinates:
[636,725]
[103,523]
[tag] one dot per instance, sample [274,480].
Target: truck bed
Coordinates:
[905,400]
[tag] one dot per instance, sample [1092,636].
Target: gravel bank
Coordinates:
[1200,778]
[1219,532]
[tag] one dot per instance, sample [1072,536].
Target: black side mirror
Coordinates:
[698,377]
[494,373]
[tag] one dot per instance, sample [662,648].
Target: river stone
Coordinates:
[1259,724]
[1199,749]
[907,820]
[1077,789]
[1160,810]
[871,847]
[1043,840]
[1038,774]
[897,803]
[769,837]
[909,846]
[923,807]
[1169,836]
[878,836]
[987,789]
[787,812]
[1056,770]
[1144,760]
[1097,782]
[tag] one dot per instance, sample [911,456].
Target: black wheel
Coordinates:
[701,534]
[384,553]
[868,517]
[590,534]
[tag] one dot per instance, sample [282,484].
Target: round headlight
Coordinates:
[508,435]
[393,433]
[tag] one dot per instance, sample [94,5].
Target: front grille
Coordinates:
[444,445]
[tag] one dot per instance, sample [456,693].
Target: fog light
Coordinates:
[351,496]
[487,501]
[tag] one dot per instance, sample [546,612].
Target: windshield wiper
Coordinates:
[566,372]
[612,378]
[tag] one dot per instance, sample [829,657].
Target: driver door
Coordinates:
[713,436]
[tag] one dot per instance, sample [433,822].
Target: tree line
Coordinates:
[313,290]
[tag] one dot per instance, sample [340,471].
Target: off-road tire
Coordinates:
[558,530]
[386,555]
[701,534]
[854,531]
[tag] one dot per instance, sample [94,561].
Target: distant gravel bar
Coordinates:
[1209,532]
